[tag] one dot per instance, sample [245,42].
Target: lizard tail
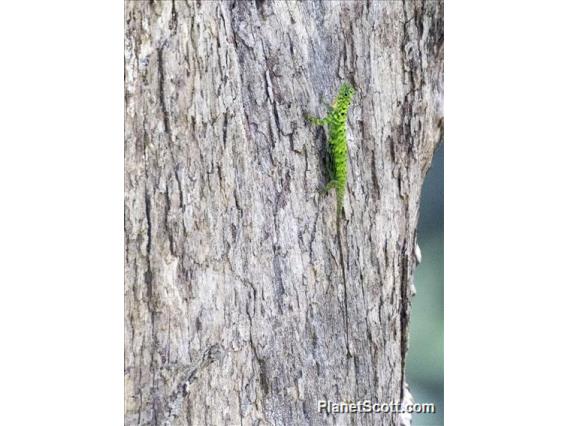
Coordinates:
[343,275]
[338,215]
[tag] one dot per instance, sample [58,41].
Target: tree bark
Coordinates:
[241,304]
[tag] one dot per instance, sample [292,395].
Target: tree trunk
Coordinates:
[242,306]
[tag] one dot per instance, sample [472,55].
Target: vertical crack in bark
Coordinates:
[180,192]
[344,280]
[149,278]
[225,122]
[404,315]
[169,231]
[139,382]
[162,99]
[407,135]
[173,21]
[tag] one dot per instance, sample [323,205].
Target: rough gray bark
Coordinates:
[237,308]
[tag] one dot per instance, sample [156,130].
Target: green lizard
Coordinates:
[336,121]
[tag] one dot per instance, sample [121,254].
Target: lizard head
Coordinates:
[346,91]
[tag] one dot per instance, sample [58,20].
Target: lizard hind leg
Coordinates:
[326,188]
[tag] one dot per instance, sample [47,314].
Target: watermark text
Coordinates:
[368,406]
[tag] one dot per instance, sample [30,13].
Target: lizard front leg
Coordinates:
[317,121]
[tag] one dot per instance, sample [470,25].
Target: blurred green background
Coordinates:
[425,362]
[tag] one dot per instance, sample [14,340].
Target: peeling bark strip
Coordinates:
[234,283]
